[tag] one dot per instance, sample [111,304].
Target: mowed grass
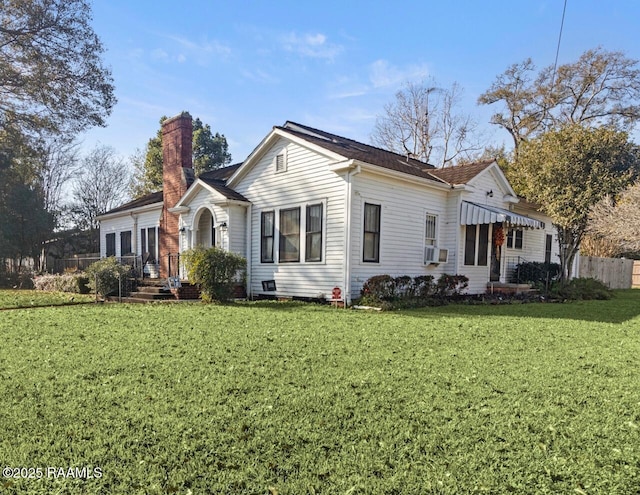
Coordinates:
[11,299]
[296,399]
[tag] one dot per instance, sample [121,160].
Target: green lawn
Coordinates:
[294,399]
[11,299]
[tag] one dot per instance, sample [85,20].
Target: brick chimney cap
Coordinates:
[180,116]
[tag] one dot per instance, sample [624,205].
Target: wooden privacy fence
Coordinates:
[617,273]
[636,275]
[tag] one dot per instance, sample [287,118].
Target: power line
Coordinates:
[555,64]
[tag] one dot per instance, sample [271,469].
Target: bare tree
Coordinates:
[617,220]
[422,123]
[600,88]
[102,186]
[60,162]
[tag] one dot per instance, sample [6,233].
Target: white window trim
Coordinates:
[303,230]
[477,248]
[436,240]
[361,260]
[513,246]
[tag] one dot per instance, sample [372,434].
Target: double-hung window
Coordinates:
[125,243]
[476,245]
[313,244]
[431,230]
[371,238]
[110,241]
[514,238]
[266,236]
[289,239]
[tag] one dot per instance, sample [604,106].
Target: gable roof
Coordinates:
[354,150]
[146,200]
[461,174]
[220,173]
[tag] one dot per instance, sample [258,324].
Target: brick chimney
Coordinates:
[177,176]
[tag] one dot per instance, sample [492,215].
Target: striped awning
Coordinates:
[474,214]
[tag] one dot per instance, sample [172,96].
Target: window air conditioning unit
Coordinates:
[434,255]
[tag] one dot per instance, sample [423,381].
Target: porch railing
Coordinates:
[515,273]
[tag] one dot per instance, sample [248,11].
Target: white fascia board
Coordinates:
[267,142]
[132,211]
[229,202]
[497,173]
[194,189]
[342,166]
[385,172]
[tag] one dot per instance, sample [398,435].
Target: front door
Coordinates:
[497,240]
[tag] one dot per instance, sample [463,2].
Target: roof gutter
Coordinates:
[413,179]
[125,213]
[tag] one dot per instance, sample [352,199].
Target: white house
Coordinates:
[311,211]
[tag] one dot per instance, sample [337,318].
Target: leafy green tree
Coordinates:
[567,171]
[600,88]
[51,73]
[210,152]
[24,220]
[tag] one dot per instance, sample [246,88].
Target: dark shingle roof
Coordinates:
[354,150]
[227,192]
[460,174]
[217,179]
[147,199]
[220,174]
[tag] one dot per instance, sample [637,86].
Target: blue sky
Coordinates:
[243,67]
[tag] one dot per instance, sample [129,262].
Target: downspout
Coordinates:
[248,243]
[347,236]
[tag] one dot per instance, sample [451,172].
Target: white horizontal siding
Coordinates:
[402,229]
[127,222]
[307,180]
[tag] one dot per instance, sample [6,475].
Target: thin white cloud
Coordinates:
[159,54]
[260,76]
[182,49]
[313,45]
[382,74]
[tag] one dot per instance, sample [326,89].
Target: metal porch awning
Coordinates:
[474,214]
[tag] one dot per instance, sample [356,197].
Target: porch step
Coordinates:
[150,290]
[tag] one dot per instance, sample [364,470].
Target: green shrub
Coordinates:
[451,285]
[423,286]
[582,289]
[379,288]
[105,275]
[404,291]
[67,282]
[215,270]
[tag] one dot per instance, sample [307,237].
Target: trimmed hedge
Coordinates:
[404,291]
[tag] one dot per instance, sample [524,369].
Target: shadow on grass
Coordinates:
[622,307]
